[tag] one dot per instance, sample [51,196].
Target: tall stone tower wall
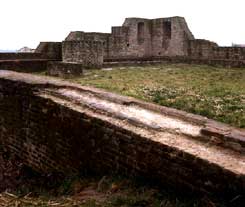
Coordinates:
[170,37]
[143,38]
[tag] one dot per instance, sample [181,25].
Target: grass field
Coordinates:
[217,93]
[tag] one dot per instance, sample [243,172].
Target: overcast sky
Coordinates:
[27,22]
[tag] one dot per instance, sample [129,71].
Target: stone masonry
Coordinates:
[137,37]
[88,53]
[141,39]
[137,40]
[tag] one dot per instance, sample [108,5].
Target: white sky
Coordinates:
[27,22]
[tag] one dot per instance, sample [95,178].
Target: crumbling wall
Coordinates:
[199,48]
[229,53]
[210,50]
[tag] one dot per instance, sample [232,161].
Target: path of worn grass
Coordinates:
[216,93]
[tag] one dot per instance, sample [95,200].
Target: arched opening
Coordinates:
[141,32]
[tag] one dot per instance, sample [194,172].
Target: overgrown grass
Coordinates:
[217,93]
[106,191]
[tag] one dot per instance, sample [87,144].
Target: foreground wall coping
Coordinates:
[210,127]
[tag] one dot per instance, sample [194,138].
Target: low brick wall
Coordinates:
[178,59]
[24,65]
[22,56]
[64,70]
[54,133]
[31,62]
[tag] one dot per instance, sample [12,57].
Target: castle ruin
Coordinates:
[57,126]
[137,40]
[140,39]
[137,37]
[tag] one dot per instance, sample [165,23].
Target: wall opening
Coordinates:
[167,30]
[200,53]
[227,55]
[141,32]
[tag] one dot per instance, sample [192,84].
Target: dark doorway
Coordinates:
[141,32]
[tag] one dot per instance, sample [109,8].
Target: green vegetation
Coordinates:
[217,93]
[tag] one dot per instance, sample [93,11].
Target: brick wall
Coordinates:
[23,65]
[52,134]
[18,56]
[199,48]
[229,53]
[205,49]
[118,61]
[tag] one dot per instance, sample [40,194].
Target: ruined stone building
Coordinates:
[142,38]
[137,39]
